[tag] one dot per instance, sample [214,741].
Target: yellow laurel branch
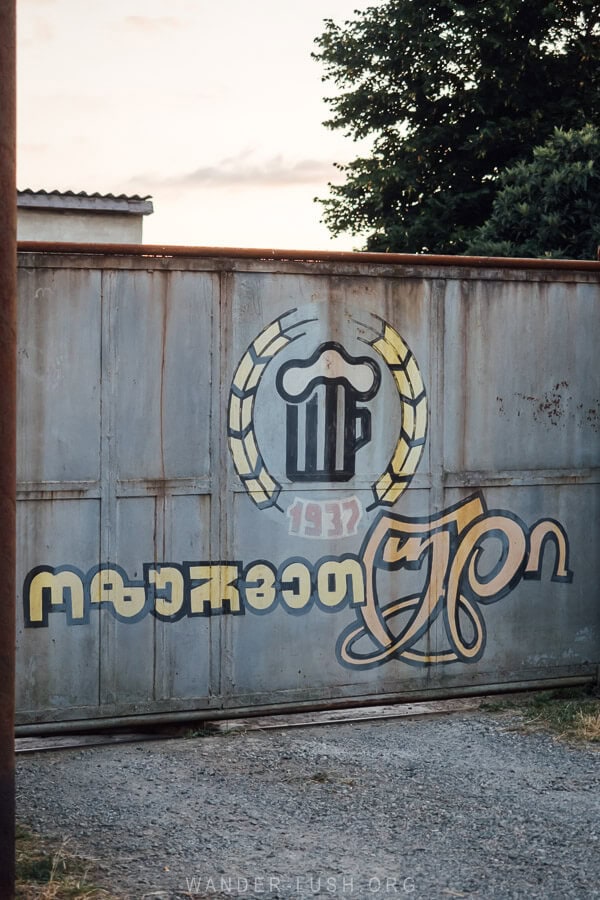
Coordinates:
[409,448]
[261,487]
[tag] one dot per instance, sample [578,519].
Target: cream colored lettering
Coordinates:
[259,587]
[64,589]
[339,580]
[468,557]
[539,535]
[296,588]
[169,580]
[108,586]
[465,560]
[449,548]
[218,588]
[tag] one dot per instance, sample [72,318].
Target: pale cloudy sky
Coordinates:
[212,106]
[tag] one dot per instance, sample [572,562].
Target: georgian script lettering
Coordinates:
[468,557]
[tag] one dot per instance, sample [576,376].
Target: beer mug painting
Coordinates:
[307,409]
[325,426]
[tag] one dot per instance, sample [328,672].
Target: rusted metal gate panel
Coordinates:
[251,484]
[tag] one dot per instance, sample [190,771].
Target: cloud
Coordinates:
[153,23]
[36,32]
[34,148]
[238,171]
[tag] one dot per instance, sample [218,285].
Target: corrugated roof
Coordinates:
[129,204]
[57,193]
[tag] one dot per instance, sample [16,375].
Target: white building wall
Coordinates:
[80,227]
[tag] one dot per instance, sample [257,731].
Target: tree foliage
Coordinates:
[450,93]
[550,205]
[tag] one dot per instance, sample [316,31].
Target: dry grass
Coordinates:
[575,718]
[572,715]
[49,872]
[588,725]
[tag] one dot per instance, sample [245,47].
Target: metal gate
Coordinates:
[250,484]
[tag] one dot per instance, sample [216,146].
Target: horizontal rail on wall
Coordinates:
[357,257]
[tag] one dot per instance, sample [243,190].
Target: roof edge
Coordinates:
[95,203]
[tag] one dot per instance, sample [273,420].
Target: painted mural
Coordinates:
[325,426]
[349,412]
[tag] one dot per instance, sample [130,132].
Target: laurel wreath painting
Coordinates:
[248,462]
[413,399]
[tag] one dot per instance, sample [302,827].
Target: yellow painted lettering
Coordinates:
[538,537]
[465,560]
[338,579]
[218,587]
[169,580]
[108,586]
[63,587]
[259,587]
[296,588]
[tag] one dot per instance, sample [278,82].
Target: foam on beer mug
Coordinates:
[330,366]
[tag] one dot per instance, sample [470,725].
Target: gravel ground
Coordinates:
[463,805]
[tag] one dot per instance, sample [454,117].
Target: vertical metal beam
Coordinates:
[8,274]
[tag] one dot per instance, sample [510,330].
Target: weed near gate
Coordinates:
[571,714]
[45,871]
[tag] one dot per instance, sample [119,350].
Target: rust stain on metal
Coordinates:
[550,405]
[8,343]
[388,259]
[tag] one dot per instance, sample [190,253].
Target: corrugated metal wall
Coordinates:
[250,484]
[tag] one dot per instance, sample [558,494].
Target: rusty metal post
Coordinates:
[8,270]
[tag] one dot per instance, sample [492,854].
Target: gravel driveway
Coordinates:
[463,805]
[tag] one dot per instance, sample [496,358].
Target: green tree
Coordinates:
[451,93]
[548,206]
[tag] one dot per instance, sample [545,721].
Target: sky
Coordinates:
[214,107]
